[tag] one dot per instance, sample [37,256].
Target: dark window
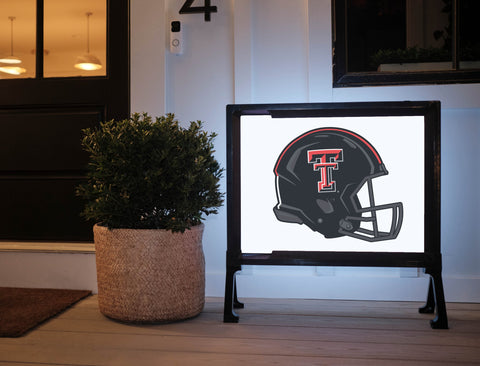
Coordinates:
[388,42]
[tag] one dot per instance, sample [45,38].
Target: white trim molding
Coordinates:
[45,247]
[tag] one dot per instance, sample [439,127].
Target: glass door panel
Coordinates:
[75,38]
[17,39]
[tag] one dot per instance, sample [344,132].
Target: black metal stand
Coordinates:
[231,299]
[435,298]
[429,258]
[436,301]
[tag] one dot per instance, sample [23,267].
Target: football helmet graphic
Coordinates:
[318,176]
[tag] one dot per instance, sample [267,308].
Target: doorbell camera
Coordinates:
[176,38]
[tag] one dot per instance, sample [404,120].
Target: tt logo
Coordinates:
[325,161]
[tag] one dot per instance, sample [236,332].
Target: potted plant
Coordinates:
[150,183]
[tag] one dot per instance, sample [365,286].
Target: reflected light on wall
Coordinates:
[88,61]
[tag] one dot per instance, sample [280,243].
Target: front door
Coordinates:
[45,102]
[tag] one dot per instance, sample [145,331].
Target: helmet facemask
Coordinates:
[364,222]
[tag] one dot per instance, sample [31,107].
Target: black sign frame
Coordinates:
[430,259]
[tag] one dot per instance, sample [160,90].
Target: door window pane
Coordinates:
[17,39]
[75,32]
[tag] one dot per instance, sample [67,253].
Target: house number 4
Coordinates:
[206,9]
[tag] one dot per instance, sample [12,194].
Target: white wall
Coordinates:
[280,51]
[256,51]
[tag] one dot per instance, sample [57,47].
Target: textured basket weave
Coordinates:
[150,275]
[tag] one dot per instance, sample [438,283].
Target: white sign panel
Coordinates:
[285,207]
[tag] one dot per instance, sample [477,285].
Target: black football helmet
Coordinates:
[318,176]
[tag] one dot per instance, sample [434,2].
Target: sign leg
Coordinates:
[236,304]
[229,315]
[429,306]
[440,321]
[436,301]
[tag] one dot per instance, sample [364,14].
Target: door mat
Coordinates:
[22,309]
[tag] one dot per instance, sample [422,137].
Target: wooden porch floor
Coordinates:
[270,332]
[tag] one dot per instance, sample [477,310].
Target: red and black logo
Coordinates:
[325,161]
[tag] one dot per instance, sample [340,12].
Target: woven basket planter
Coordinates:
[150,275]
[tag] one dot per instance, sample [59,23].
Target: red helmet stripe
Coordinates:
[372,149]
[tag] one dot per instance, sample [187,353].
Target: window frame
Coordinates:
[343,78]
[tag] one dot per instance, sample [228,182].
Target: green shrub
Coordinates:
[150,174]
